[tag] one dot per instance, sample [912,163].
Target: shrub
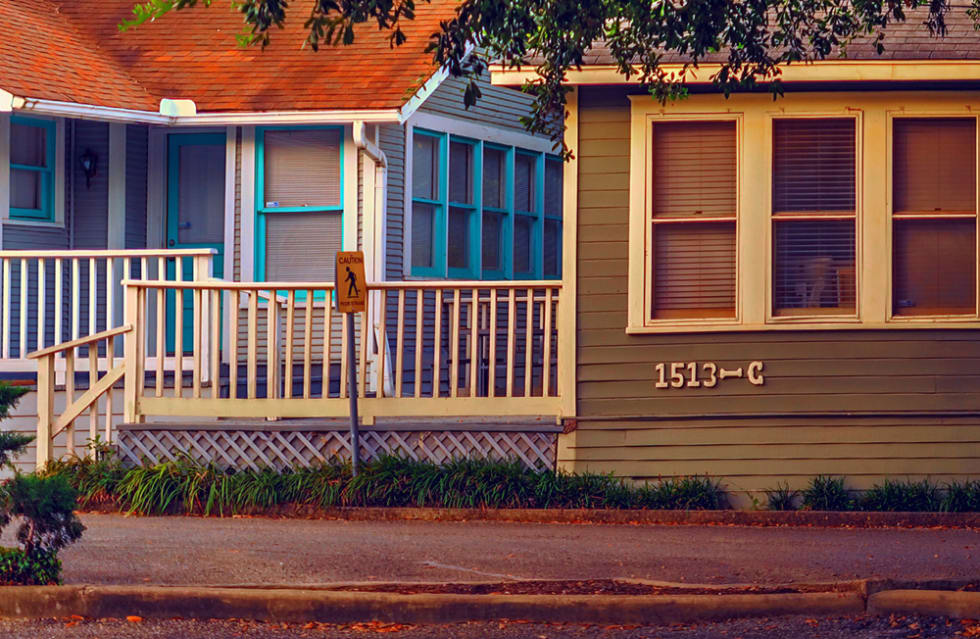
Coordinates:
[961,498]
[39,568]
[905,496]
[46,506]
[826,493]
[782,497]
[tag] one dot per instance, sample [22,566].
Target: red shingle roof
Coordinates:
[72,50]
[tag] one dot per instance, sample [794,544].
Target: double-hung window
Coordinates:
[814,216]
[32,160]
[483,210]
[300,204]
[692,229]
[934,217]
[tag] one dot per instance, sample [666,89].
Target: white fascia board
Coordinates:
[422,94]
[89,112]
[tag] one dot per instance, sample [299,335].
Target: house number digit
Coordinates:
[704,374]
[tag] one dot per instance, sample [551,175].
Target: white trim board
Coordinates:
[156,186]
[485,132]
[116,223]
[4,170]
[231,166]
[247,210]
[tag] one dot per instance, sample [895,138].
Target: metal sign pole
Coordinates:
[352,393]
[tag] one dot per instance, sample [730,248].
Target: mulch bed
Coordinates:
[583,587]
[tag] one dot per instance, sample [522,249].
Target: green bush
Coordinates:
[907,496]
[782,497]
[39,568]
[826,493]
[961,498]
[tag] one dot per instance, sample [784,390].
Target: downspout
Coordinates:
[375,215]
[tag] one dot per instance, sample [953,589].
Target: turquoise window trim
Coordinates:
[261,211]
[508,215]
[46,213]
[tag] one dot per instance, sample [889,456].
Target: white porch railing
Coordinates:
[425,349]
[52,296]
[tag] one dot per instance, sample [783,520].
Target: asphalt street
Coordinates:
[208,551]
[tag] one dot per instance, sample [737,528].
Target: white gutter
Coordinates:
[183,113]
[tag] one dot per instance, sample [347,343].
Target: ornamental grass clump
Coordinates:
[907,496]
[827,493]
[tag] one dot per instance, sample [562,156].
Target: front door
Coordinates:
[195,212]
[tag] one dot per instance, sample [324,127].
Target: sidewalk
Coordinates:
[211,551]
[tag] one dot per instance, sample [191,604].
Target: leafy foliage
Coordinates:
[782,497]
[19,568]
[961,498]
[749,39]
[46,506]
[907,496]
[827,493]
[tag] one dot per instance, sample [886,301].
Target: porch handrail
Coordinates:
[48,426]
[213,284]
[105,253]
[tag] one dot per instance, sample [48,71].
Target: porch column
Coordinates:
[116,224]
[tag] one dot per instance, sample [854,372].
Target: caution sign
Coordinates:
[351,288]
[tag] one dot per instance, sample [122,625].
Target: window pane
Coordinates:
[553,170]
[524,182]
[523,231]
[425,167]
[459,237]
[552,247]
[201,194]
[289,238]
[25,189]
[460,173]
[423,219]
[494,178]
[813,165]
[302,168]
[694,270]
[492,226]
[28,145]
[814,267]
[694,169]
[935,165]
[935,267]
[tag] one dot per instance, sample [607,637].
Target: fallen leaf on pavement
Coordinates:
[134,619]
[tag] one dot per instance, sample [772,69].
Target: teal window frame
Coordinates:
[261,210]
[46,213]
[440,233]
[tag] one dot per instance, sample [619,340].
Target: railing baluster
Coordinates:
[93,377]
[382,342]
[437,348]
[138,337]
[93,295]
[197,343]
[215,338]
[42,309]
[546,343]
[327,343]
[110,293]
[253,337]
[474,338]
[45,410]
[110,363]
[308,344]
[365,340]
[529,344]
[59,295]
[271,347]
[492,354]
[419,317]
[69,397]
[454,344]
[6,308]
[76,297]
[160,296]
[233,311]
[23,309]
[511,320]
[290,321]
[399,343]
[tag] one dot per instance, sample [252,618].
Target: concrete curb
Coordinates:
[347,607]
[937,603]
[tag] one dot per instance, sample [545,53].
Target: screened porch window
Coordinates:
[934,217]
[814,216]
[693,220]
[482,210]
[32,160]
[300,214]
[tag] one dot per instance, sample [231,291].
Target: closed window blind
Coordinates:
[423,230]
[934,259]
[524,180]
[694,228]
[459,237]
[288,238]
[814,217]
[460,173]
[302,168]
[425,167]
[813,165]
[494,178]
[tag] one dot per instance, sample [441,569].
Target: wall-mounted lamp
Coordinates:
[90,166]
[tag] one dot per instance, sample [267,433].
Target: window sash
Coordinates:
[46,173]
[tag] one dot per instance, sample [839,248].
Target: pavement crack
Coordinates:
[436,564]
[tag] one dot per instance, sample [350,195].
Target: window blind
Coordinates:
[494,180]
[524,182]
[813,269]
[459,237]
[813,165]
[523,241]
[694,169]
[935,164]
[934,267]
[26,189]
[553,176]
[552,247]
[423,226]
[302,168]
[28,145]
[288,238]
[425,167]
[460,173]
[694,270]
[492,232]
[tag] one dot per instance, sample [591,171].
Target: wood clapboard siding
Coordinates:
[774,432]
[498,106]
[393,144]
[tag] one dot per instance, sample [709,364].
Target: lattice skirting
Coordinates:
[291,448]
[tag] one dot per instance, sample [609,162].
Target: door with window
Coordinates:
[195,213]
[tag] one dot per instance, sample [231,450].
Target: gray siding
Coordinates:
[92,202]
[393,145]
[136,166]
[498,106]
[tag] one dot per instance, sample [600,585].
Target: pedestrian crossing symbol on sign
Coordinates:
[351,287]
